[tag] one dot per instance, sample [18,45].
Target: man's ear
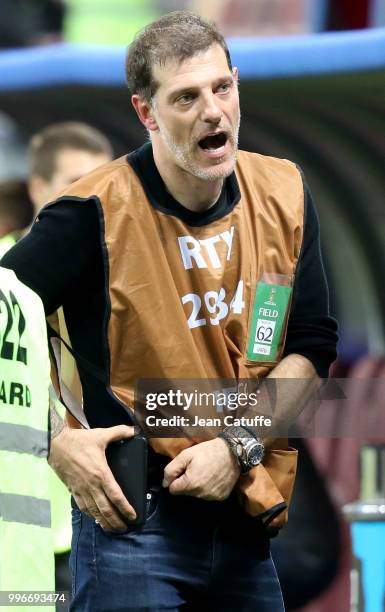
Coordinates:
[145,112]
[235,74]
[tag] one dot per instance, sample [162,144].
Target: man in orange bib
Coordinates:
[186,259]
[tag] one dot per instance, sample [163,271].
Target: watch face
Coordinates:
[255,455]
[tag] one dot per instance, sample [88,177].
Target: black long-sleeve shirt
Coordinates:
[61,260]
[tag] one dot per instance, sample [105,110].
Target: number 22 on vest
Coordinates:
[12,326]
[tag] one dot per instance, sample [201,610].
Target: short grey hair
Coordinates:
[175,36]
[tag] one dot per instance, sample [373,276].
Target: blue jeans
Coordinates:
[190,554]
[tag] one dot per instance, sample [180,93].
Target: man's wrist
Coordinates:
[233,459]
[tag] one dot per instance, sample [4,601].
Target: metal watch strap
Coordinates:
[232,443]
[247,448]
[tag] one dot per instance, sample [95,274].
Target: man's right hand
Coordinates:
[78,458]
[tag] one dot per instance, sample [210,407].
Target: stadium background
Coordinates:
[312,90]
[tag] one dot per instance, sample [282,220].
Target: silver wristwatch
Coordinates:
[247,448]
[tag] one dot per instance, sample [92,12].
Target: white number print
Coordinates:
[215,305]
[237,304]
[214,301]
[196,302]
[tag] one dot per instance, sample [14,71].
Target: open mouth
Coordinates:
[213,142]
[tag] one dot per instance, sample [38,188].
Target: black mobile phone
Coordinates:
[128,462]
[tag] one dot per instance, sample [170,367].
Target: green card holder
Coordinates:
[268,317]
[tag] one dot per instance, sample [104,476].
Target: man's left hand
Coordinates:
[208,470]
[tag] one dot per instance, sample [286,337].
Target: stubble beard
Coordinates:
[184,155]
